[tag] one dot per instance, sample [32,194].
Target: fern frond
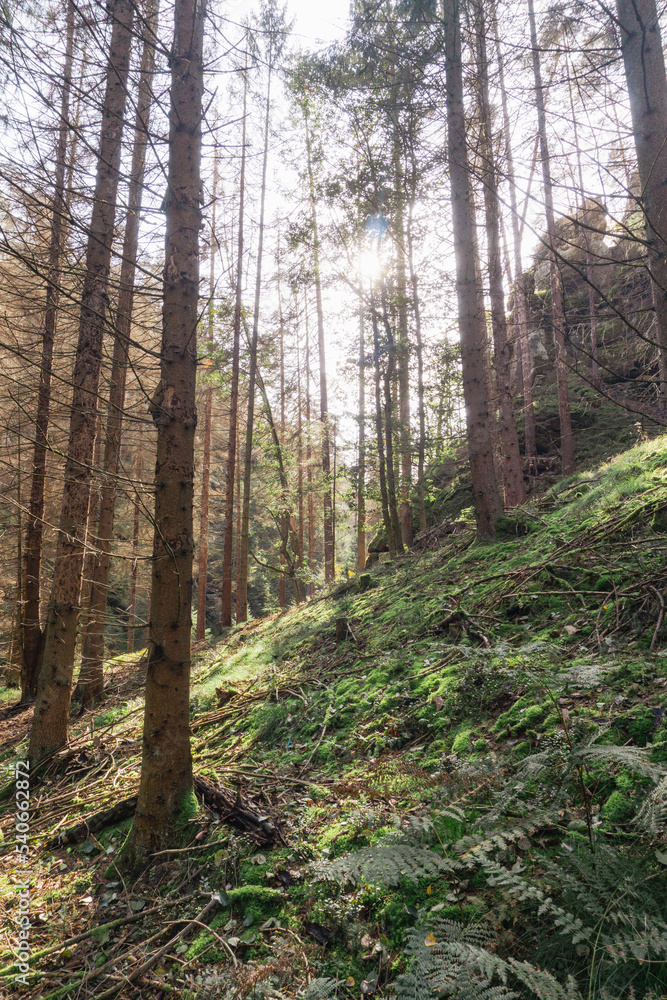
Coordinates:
[634,758]
[542,983]
[320,989]
[385,863]
[652,814]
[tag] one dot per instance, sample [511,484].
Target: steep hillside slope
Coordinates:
[453,768]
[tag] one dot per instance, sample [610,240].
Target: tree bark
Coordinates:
[524,374]
[139,471]
[644,64]
[389,373]
[402,348]
[284,525]
[202,567]
[472,325]
[51,717]
[416,308]
[242,590]
[90,687]
[309,463]
[557,316]
[379,432]
[166,794]
[509,441]
[228,543]
[324,405]
[32,632]
[361,464]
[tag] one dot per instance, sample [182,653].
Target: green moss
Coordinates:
[461,742]
[618,808]
[641,727]
[188,809]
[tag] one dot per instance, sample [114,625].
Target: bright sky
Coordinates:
[315,22]
[318,21]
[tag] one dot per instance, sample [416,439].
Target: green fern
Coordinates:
[385,863]
[450,959]
[652,814]
[320,989]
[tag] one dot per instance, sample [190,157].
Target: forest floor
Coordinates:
[458,775]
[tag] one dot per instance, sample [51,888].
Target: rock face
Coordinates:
[378,542]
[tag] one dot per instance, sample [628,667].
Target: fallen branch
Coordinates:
[234,812]
[93,824]
[153,959]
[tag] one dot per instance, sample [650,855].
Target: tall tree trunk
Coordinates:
[138,474]
[228,543]
[165,790]
[239,509]
[361,464]
[402,348]
[382,463]
[14,668]
[284,524]
[509,442]
[416,308]
[299,428]
[644,64]
[51,718]
[285,519]
[389,374]
[592,313]
[557,316]
[32,632]
[202,568]
[309,463]
[242,591]
[525,377]
[324,405]
[472,324]
[90,688]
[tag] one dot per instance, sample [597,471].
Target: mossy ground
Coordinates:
[469,657]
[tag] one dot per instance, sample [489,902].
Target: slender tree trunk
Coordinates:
[90,688]
[382,463]
[32,632]
[242,592]
[286,521]
[239,516]
[324,405]
[509,442]
[51,718]
[392,474]
[361,464]
[139,472]
[165,791]
[525,377]
[402,349]
[592,314]
[557,316]
[284,525]
[202,569]
[644,63]
[421,453]
[472,325]
[228,543]
[299,429]
[14,669]
[309,463]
